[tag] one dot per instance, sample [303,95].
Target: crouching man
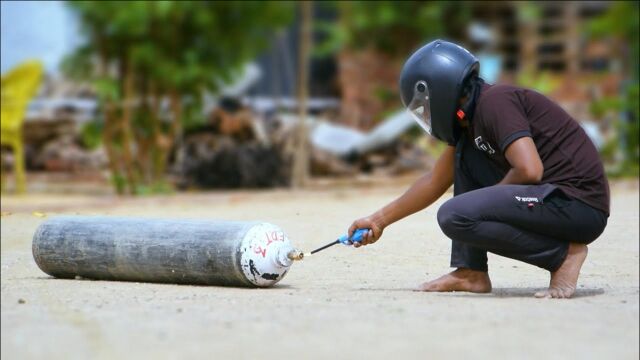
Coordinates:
[528,182]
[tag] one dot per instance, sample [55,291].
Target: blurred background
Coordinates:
[156,97]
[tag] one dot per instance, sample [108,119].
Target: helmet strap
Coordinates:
[467,109]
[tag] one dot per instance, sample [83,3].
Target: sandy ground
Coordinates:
[342,304]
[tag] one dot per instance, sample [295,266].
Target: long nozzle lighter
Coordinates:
[344,239]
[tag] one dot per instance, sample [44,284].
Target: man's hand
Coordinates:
[375,226]
[427,189]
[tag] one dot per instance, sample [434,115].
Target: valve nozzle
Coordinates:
[295,255]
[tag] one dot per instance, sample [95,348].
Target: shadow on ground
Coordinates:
[499,292]
[529,292]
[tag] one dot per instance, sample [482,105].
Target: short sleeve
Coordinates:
[503,119]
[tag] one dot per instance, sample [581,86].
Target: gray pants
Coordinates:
[530,223]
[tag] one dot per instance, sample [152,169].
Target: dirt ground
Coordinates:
[342,304]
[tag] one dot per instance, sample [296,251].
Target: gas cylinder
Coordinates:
[205,252]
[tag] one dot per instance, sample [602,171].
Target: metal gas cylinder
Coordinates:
[203,252]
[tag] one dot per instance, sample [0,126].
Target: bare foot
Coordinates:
[459,280]
[564,280]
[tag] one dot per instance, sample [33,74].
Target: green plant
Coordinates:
[544,82]
[392,27]
[599,108]
[159,187]
[622,22]
[91,134]
[145,58]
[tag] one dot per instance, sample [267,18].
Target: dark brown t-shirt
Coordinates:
[506,113]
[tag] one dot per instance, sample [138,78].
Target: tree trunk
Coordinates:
[108,138]
[165,142]
[156,133]
[127,138]
[108,134]
[301,157]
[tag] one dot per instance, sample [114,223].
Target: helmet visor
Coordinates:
[419,107]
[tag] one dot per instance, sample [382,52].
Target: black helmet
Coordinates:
[431,83]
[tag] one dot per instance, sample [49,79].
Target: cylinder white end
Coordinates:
[263,255]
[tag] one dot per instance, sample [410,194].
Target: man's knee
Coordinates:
[452,219]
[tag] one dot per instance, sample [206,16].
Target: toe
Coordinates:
[567,293]
[424,287]
[540,294]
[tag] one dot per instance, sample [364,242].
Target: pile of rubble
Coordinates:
[234,149]
[54,145]
[238,148]
[52,128]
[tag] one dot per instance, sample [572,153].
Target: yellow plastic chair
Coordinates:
[19,85]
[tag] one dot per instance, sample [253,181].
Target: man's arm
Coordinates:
[421,194]
[526,166]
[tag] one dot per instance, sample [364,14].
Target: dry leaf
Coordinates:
[39,214]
